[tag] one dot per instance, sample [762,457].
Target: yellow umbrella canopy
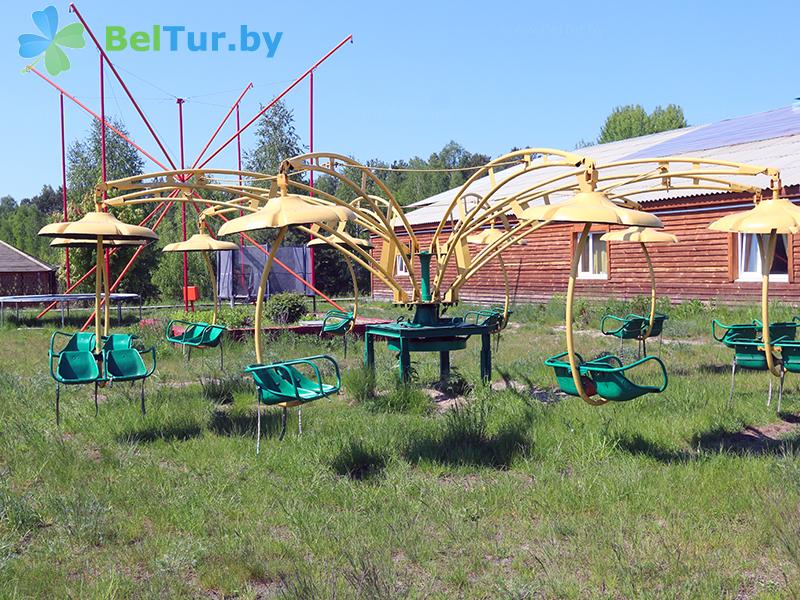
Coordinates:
[490,236]
[338,241]
[72,243]
[591,207]
[776,214]
[644,235]
[94,225]
[200,242]
[284,211]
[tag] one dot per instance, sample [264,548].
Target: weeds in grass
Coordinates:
[359,384]
[403,397]
[359,461]
[221,387]
[455,386]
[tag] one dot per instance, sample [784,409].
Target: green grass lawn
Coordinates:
[518,493]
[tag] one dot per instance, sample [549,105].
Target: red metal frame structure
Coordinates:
[166,205]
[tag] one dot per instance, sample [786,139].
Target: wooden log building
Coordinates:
[22,274]
[704,265]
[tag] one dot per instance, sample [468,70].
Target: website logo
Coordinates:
[178,37]
[49,43]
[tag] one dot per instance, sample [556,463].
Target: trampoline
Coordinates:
[63,300]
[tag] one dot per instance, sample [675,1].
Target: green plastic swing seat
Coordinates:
[605,376]
[118,341]
[282,382]
[730,334]
[75,342]
[75,367]
[337,321]
[127,364]
[195,334]
[486,317]
[631,326]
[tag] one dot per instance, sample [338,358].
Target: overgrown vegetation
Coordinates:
[285,308]
[514,492]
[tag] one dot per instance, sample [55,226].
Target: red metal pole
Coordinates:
[103,165]
[183,212]
[104,56]
[349,38]
[311,149]
[224,120]
[239,165]
[97,117]
[64,181]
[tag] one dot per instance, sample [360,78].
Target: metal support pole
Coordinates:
[180,102]
[64,189]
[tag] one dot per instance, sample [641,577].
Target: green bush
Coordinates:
[404,398]
[285,308]
[237,316]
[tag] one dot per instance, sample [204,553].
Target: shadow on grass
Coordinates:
[167,432]
[716,369]
[637,445]
[243,424]
[750,440]
[359,462]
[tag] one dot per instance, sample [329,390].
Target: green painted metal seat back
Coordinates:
[336,321]
[118,341]
[283,382]
[127,364]
[730,334]
[658,324]
[192,333]
[563,373]
[749,355]
[606,377]
[790,356]
[76,367]
[212,336]
[629,327]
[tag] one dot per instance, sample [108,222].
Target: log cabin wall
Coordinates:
[702,266]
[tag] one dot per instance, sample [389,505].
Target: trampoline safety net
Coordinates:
[238,272]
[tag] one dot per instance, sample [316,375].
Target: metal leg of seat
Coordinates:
[733,381]
[660,341]
[644,346]
[622,348]
[258,426]
[283,423]
[780,390]
[189,354]
[96,405]
[300,420]
[142,398]
[58,404]
[769,395]
[221,357]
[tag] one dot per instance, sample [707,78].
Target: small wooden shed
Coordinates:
[21,274]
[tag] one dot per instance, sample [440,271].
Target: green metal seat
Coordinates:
[127,364]
[338,322]
[197,335]
[728,334]
[118,341]
[606,377]
[283,384]
[486,317]
[633,327]
[75,342]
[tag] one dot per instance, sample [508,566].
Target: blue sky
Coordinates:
[488,75]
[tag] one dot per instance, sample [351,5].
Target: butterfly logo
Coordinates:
[32,45]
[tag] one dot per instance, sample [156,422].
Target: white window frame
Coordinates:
[585,271]
[400,268]
[755,276]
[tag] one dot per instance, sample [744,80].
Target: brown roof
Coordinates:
[13,260]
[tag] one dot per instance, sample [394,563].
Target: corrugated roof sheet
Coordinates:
[770,138]
[13,260]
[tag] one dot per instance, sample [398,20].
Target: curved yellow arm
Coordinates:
[652,289]
[573,359]
[262,288]
[507,288]
[767,256]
